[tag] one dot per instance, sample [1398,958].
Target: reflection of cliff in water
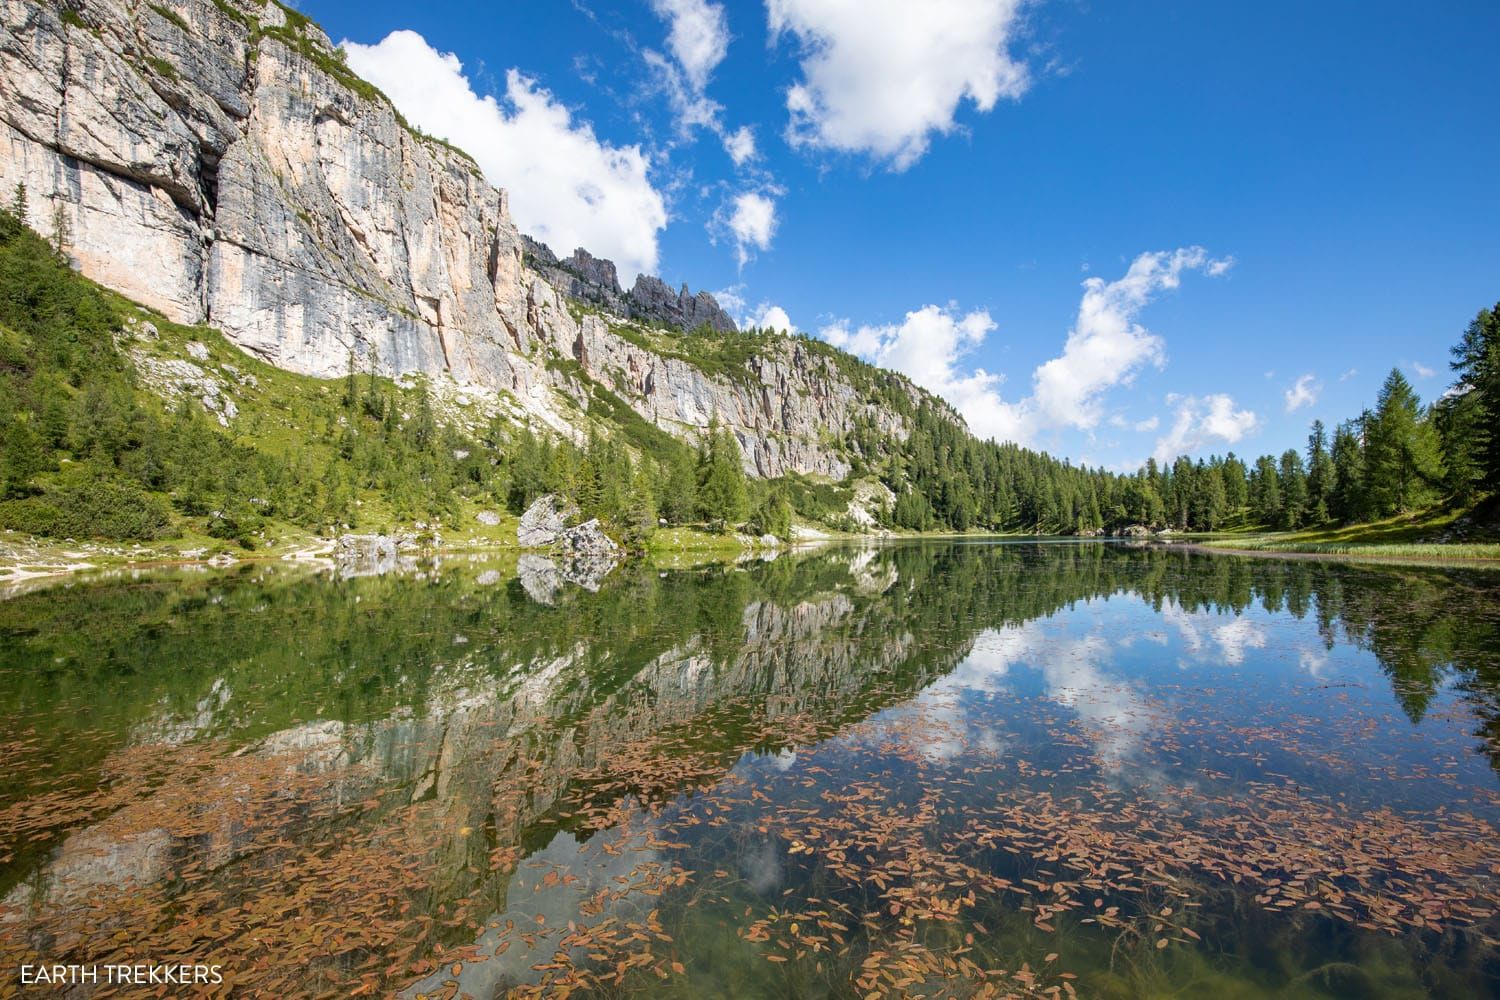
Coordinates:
[469,707]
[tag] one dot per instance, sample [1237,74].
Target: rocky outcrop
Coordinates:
[653,299]
[588,541]
[590,279]
[545,521]
[788,410]
[216,161]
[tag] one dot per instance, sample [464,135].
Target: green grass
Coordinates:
[161,68]
[1396,550]
[1405,536]
[171,15]
[686,539]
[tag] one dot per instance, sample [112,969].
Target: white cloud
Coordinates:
[740,145]
[1304,392]
[1199,421]
[882,76]
[1105,348]
[1348,374]
[732,299]
[698,35]
[698,39]
[769,316]
[752,223]
[928,346]
[1149,424]
[567,187]
[1421,370]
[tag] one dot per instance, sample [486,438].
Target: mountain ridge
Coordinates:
[215,161]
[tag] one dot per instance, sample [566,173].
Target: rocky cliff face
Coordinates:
[216,161]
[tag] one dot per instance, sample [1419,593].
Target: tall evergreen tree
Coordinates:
[1476,359]
[1320,475]
[1294,494]
[1265,491]
[722,496]
[1403,462]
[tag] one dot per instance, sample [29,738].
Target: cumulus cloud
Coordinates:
[1304,392]
[1421,370]
[1199,421]
[929,345]
[1149,424]
[567,187]
[768,316]
[751,222]
[1106,348]
[883,76]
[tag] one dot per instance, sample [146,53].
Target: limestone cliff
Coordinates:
[216,161]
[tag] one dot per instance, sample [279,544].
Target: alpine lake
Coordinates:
[935,768]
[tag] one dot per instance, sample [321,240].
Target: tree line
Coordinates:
[1397,456]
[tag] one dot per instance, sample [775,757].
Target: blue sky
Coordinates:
[1263,196]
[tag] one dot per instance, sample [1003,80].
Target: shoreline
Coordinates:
[1461,561]
[38,564]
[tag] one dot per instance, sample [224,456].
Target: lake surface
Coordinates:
[937,769]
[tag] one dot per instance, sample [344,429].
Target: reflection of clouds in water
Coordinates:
[761,867]
[1187,629]
[1073,672]
[1314,661]
[1113,709]
[981,673]
[1238,636]
[1232,638]
[596,873]
[1155,636]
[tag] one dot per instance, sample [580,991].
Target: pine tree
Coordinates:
[1214,502]
[1476,359]
[722,494]
[1319,473]
[1265,491]
[679,491]
[1236,486]
[1460,421]
[1347,502]
[774,515]
[1294,496]
[1403,461]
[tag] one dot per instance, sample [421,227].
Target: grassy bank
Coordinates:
[1440,533]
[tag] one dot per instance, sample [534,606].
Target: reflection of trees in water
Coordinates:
[155,658]
[482,707]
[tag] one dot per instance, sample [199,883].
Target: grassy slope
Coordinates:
[1405,536]
[281,413]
